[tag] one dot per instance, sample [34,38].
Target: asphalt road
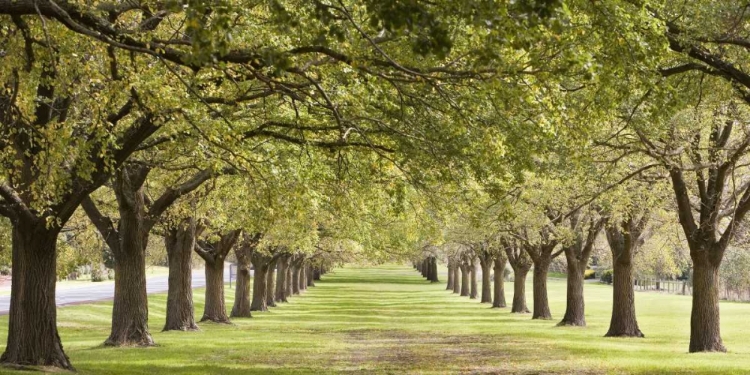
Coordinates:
[106,291]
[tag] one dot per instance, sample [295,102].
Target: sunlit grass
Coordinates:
[388,320]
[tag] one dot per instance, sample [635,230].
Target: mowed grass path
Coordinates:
[387,319]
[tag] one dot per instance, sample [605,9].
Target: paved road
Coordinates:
[106,291]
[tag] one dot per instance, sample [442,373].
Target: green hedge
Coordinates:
[606,277]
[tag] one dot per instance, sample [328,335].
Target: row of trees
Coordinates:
[364,130]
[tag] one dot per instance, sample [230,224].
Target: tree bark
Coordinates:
[270,283]
[449,286]
[705,328]
[213,254]
[281,280]
[32,325]
[499,287]
[473,272]
[310,275]
[541,302]
[260,277]
[465,280]
[456,278]
[434,270]
[486,283]
[624,238]
[623,322]
[575,306]
[215,309]
[179,242]
[289,285]
[296,271]
[519,290]
[302,277]
[130,310]
[241,306]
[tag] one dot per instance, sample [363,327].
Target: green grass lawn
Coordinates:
[388,320]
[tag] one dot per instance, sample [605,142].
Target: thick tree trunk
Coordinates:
[130,310]
[519,290]
[574,310]
[32,324]
[449,286]
[179,242]
[623,240]
[241,306]
[281,280]
[499,287]
[456,278]
[289,285]
[464,281]
[473,272]
[623,322]
[705,332]
[317,274]
[296,271]
[310,276]
[270,284]
[486,283]
[541,302]
[434,271]
[260,298]
[215,309]
[302,277]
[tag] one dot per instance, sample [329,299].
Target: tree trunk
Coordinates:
[705,333]
[302,277]
[519,290]
[261,265]
[541,302]
[130,310]
[179,241]
[474,292]
[241,306]
[486,284]
[623,240]
[317,273]
[499,287]
[464,281]
[32,325]
[434,271]
[449,286]
[260,276]
[215,309]
[295,278]
[289,285]
[281,280]
[574,310]
[623,322]
[270,284]
[456,279]
[310,276]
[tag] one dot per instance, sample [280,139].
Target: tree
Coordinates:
[585,226]
[214,250]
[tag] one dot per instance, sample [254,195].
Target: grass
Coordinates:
[388,320]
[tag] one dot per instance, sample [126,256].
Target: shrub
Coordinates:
[589,274]
[606,277]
